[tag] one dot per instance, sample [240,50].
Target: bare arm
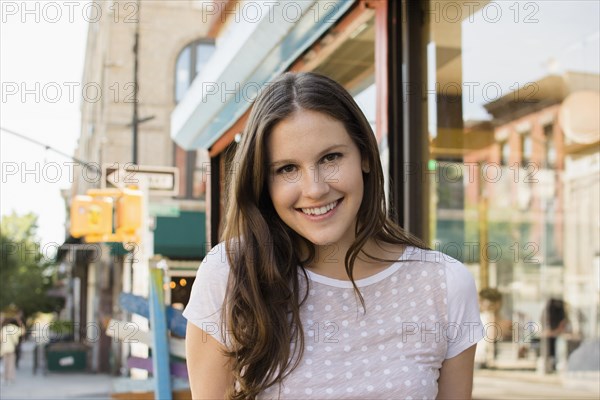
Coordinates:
[208,369]
[456,376]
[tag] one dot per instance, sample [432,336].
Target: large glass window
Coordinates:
[190,62]
[513,92]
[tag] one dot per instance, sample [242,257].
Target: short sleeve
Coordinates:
[208,294]
[464,322]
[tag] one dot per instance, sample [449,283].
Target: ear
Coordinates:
[365,166]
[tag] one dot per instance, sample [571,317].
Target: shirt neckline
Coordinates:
[346,284]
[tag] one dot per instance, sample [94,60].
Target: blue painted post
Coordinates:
[160,348]
[132,303]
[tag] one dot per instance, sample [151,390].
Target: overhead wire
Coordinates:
[86,164]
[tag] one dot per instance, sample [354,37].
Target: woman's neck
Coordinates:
[329,259]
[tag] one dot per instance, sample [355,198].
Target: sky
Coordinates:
[41,66]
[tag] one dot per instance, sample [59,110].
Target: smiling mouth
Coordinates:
[317,211]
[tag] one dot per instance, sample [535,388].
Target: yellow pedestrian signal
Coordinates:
[91,216]
[129,212]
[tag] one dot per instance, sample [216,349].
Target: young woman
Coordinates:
[314,292]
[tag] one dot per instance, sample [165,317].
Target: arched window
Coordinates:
[190,62]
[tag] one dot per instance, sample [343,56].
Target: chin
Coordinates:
[323,241]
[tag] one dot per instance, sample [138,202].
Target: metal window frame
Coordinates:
[407,113]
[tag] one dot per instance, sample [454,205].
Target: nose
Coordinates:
[314,184]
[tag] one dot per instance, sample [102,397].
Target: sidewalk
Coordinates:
[520,385]
[488,385]
[54,385]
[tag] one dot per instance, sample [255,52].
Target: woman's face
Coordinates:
[315,177]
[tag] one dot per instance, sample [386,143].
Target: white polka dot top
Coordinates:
[420,311]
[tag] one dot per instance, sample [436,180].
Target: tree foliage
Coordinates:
[26,274]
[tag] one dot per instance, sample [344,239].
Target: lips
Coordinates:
[315,212]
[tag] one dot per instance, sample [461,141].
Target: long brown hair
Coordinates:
[262,307]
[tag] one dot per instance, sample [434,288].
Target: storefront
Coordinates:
[483,117]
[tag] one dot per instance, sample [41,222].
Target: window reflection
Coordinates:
[526,148]
[503,76]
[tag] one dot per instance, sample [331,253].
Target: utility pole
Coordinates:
[134,122]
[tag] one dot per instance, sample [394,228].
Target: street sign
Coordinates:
[162,181]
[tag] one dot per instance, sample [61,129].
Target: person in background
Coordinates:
[10,334]
[555,321]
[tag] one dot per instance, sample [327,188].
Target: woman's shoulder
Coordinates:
[443,263]
[430,256]
[215,261]
[216,254]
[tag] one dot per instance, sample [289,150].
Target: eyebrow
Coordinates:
[321,154]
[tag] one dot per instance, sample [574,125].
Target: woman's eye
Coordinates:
[286,169]
[332,157]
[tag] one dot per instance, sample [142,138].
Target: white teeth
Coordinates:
[319,210]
